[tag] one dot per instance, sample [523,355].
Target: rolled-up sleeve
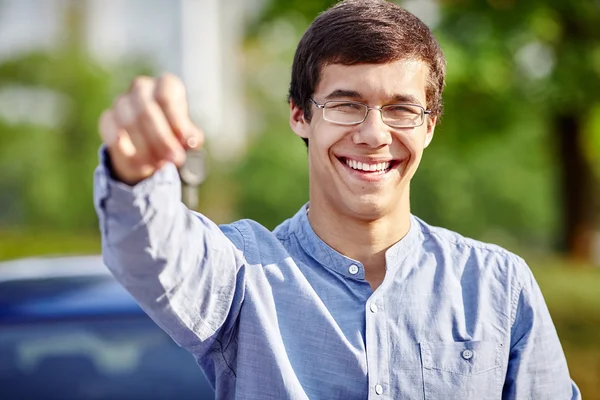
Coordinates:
[178,265]
[537,366]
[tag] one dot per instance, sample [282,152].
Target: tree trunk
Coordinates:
[579,191]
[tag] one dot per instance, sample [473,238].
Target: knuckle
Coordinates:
[123,111]
[103,126]
[139,83]
[146,113]
[119,102]
[170,88]
[162,97]
[140,97]
[144,108]
[170,79]
[105,120]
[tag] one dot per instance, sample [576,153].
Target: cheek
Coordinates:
[326,140]
[411,143]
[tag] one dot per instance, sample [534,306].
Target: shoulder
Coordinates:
[464,252]
[258,243]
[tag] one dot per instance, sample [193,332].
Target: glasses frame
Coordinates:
[424,112]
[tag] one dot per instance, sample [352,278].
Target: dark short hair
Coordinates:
[360,32]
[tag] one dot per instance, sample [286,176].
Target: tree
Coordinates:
[519,146]
[551,56]
[47,167]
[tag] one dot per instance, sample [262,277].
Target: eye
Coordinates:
[402,110]
[347,107]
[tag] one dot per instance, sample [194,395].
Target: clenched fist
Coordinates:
[147,127]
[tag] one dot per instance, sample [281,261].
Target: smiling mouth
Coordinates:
[375,168]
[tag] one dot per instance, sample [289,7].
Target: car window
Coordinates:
[120,358]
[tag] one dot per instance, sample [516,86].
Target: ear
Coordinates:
[298,123]
[430,128]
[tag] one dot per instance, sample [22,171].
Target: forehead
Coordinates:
[376,82]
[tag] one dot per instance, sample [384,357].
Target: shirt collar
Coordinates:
[316,248]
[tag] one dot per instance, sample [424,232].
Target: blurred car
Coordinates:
[68,330]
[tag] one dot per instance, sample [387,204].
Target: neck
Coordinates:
[363,239]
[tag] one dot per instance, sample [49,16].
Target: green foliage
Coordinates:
[299,10]
[273,178]
[512,67]
[48,166]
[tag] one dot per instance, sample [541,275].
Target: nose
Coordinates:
[373,132]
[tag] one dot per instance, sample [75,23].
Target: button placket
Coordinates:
[377,348]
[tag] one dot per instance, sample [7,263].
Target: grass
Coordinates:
[17,244]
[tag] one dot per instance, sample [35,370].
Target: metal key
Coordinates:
[192,174]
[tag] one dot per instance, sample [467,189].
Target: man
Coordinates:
[353,297]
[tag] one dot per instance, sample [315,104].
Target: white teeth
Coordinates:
[381,167]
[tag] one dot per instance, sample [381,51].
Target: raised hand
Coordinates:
[147,127]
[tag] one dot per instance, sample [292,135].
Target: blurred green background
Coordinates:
[515,159]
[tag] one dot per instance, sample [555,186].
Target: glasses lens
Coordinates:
[344,112]
[402,115]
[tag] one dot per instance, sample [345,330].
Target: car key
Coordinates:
[192,173]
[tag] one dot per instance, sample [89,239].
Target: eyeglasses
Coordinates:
[354,113]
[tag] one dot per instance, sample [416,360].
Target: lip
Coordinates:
[368,160]
[369,176]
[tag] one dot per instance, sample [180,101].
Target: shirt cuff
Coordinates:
[106,186]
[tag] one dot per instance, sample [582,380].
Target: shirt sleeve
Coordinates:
[537,366]
[178,265]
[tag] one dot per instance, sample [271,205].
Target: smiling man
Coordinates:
[353,297]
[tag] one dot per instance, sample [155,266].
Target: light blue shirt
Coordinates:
[281,315]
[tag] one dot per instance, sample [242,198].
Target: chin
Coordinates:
[369,208]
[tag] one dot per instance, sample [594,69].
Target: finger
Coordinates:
[170,94]
[153,123]
[125,116]
[108,128]
[141,81]
[123,111]
[115,137]
[122,150]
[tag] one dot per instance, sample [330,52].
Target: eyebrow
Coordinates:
[340,93]
[405,98]
[353,94]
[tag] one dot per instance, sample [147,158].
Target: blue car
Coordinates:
[68,330]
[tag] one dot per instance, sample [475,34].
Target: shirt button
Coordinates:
[353,269]
[373,307]
[467,354]
[378,389]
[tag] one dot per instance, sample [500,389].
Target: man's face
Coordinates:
[335,150]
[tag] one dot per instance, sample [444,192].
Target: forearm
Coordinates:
[177,264]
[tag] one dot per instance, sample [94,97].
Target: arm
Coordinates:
[178,265]
[183,271]
[537,366]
